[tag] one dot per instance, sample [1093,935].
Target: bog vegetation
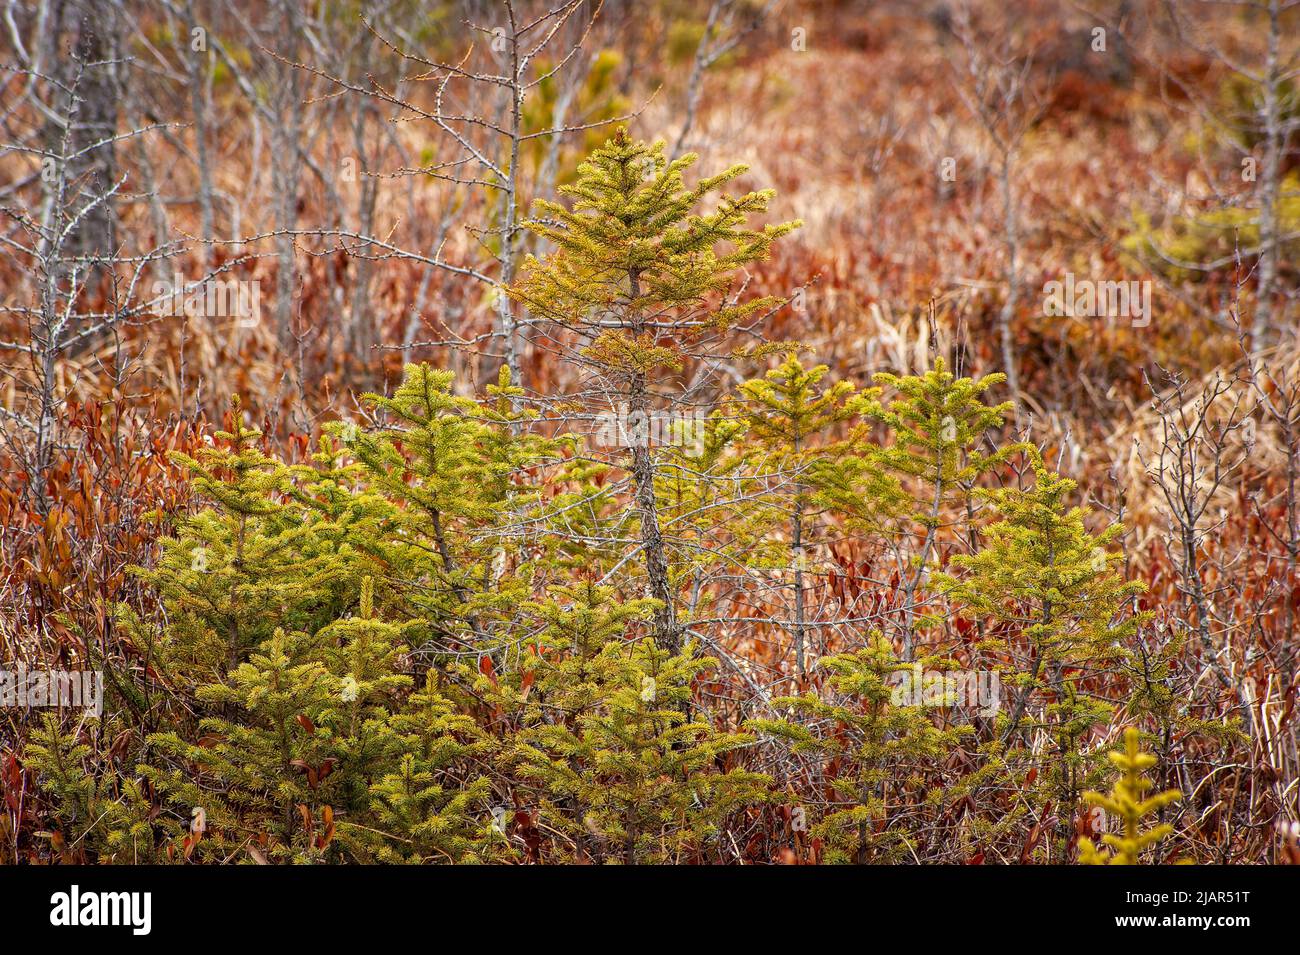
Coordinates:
[575,494]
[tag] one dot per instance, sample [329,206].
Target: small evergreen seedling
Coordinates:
[787,413]
[98,814]
[640,279]
[1126,803]
[908,489]
[1058,608]
[644,783]
[871,739]
[245,565]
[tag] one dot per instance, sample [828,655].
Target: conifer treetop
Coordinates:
[1129,804]
[788,404]
[632,252]
[938,419]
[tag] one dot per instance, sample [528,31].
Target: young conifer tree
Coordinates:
[637,287]
[596,745]
[642,777]
[256,772]
[788,414]
[869,735]
[315,732]
[1129,804]
[364,653]
[273,626]
[249,584]
[1056,603]
[97,815]
[920,476]
[246,565]
[459,477]
[432,804]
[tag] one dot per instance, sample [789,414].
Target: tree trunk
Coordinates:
[652,543]
[80,46]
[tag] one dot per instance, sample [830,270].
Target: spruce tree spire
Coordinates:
[639,279]
[1128,802]
[785,411]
